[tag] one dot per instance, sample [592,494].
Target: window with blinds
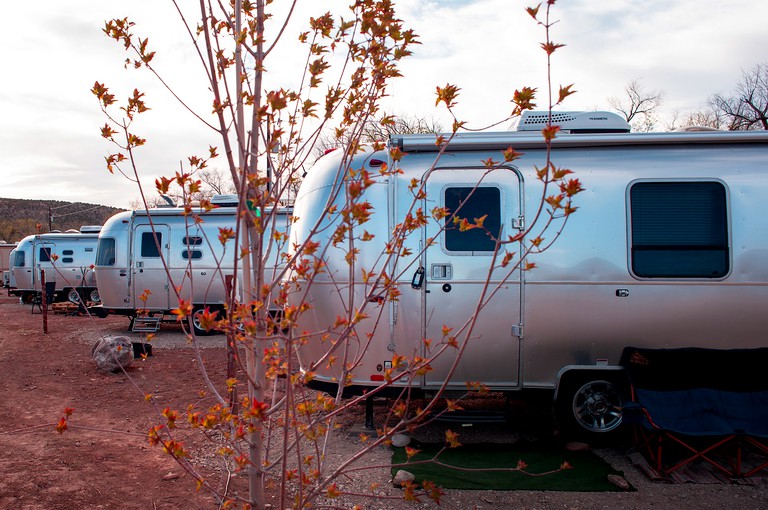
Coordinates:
[679,229]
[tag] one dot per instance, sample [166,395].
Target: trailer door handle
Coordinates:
[441,271]
[123,272]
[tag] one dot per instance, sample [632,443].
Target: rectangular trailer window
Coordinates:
[679,230]
[44,255]
[149,248]
[105,252]
[472,203]
[20,260]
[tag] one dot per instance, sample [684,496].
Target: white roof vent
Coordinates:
[165,201]
[225,200]
[574,122]
[90,229]
[690,129]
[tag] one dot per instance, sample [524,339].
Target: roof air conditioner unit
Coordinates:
[225,200]
[574,122]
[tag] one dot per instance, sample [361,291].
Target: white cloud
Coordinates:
[54,52]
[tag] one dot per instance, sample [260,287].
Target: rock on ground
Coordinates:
[111,353]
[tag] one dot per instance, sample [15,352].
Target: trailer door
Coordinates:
[467,306]
[43,253]
[148,275]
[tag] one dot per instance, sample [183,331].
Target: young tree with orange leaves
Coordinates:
[267,131]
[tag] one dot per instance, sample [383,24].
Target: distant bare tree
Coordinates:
[381,129]
[747,108]
[154,201]
[639,106]
[212,182]
[216,182]
[705,118]
[405,125]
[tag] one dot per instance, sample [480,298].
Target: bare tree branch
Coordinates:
[381,129]
[747,107]
[639,107]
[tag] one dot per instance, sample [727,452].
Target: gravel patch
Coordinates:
[169,336]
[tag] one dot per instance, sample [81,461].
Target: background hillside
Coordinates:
[20,218]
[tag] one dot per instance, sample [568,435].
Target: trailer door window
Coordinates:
[472,203]
[105,252]
[44,255]
[149,247]
[679,230]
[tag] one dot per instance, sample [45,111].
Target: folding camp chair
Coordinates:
[37,302]
[37,297]
[698,404]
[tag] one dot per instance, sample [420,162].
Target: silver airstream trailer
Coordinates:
[67,259]
[668,248]
[146,256]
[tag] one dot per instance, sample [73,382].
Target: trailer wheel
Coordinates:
[94,295]
[589,407]
[196,321]
[73,296]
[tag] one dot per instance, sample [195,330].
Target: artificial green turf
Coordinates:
[588,472]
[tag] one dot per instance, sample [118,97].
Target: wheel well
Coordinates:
[569,375]
[589,404]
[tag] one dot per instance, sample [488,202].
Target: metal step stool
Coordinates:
[145,324]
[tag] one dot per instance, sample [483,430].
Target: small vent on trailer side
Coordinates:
[574,122]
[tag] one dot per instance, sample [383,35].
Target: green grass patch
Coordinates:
[491,466]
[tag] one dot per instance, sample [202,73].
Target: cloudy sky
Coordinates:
[54,51]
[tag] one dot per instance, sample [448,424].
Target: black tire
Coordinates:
[198,330]
[73,296]
[589,407]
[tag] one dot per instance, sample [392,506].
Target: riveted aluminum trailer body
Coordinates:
[668,248]
[150,260]
[67,259]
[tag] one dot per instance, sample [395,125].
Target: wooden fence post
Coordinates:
[44,303]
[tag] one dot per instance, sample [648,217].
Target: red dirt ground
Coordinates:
[111,466]
[105,461]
